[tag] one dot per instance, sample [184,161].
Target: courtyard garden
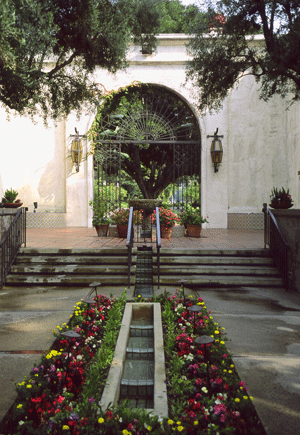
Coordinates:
[205,394]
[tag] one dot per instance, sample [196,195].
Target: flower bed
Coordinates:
[204,392]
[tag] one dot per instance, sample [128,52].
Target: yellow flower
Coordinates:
[222,342]
[149,428]
[196,423]
[237,400]
[20,406]
[170,422]
[65,427]
[251,398]
[101,420]
[231,366]
[180,428]
[28,386]
[217,332]
[245,397]
[178,422]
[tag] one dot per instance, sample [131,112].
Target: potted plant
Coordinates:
[280,199]
[100,218]
[167,219]
[9,199]
[121,218]
[192,220]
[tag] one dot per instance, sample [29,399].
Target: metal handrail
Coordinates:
[158,245]
[279,247]
[129,242]
[10,245]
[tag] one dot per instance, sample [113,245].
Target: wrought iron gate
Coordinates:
[153,136]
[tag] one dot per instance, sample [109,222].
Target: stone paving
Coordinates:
[81,237]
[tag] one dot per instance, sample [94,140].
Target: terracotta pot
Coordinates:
[12,204]
[193,230]
[102,230]
[165,232]
[281,206]
[122,230]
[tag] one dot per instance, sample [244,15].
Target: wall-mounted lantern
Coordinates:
[76,149]
[216,150]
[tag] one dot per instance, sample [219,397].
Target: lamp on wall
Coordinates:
[216,150]
[76,150]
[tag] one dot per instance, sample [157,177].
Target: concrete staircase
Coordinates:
[72,267]
[80,267]
[217,268]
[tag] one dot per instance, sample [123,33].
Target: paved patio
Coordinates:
[81,237]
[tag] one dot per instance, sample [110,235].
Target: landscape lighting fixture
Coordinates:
[216,150]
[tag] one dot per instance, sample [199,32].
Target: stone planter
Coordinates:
[12,204]
[102,230]
[166,233]
[122,230]
[193,230]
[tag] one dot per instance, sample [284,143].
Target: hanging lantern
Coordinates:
[76,151]
[216,150]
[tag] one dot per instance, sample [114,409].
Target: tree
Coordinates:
[49,50]
[221,50]
[147,120]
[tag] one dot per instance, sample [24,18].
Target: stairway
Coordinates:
[72,267]
[213,268]
[80,267]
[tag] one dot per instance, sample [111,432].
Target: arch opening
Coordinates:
[148,145]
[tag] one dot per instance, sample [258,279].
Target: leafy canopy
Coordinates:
[221,49]
[49,50]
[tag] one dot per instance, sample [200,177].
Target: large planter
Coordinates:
[281,206]
[122,230]
[193,230]
[165,232]
[102,230]
[12,204]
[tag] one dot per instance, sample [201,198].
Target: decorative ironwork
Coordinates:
[10,245]
[150,122]
[279,247]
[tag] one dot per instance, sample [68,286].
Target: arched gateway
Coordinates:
[150,135]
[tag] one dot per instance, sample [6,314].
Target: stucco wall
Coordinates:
[261,145]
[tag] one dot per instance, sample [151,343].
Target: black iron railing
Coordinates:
[158,245]
[10,245]
[129,242]
[279,247]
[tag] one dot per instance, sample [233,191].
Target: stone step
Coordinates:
[221,281]
[71,269]
[74,259]
[217,270]
[212,252]
[70,280]
[214,259]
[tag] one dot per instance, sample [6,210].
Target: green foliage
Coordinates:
[123,114]
[219,60]
[281,197]
[192,216]
[10,195]
[49,50]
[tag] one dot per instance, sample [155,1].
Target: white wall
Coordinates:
[260,145]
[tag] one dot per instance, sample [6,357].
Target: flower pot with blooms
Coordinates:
[100,218]
[121,218]
[192,220]
[280,199]
[9,199]
[167,219]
